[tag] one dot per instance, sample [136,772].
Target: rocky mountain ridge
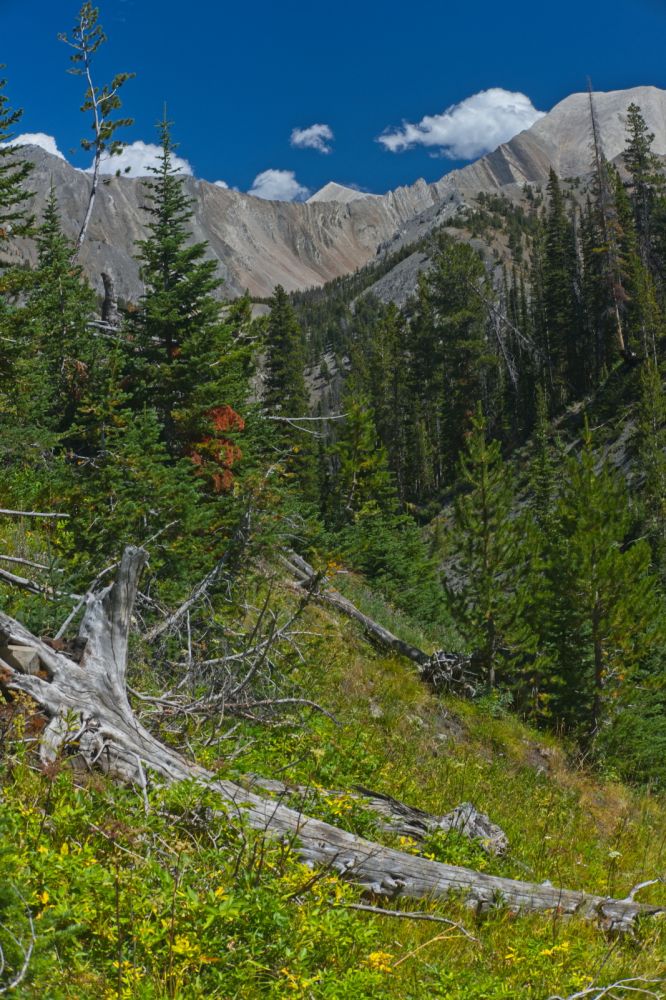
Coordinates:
[262,243]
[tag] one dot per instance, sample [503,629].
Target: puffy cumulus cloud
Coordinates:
[40,139]
[467,130]
[135,160]
[278,185]
[220,184]
[316,137]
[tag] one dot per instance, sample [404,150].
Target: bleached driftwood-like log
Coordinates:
[442,670]
[398,818]
[89,710]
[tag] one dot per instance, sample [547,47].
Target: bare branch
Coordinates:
[34,588]
[635,985]
[644,885]
[23,562]
[238,540]
[406,915]
[26,950]
[31,513]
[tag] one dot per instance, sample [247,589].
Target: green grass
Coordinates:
[136,904]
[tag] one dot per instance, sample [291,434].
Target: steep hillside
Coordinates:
[197,905]
[260,244]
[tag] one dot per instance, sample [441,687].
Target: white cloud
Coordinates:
[316,137]
[40,139]
[278,185]
[464,131]
[220,184]
[137,157]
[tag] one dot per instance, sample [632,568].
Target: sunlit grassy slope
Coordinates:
[168,898]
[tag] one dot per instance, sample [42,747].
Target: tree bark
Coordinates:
[400,819]
[88,706]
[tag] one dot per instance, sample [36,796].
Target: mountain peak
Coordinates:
[339,193]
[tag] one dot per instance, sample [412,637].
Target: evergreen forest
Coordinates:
[284,584]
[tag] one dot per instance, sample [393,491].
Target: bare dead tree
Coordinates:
[86,38]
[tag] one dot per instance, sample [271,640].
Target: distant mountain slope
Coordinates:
[299,245]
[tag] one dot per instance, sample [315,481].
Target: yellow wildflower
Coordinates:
[380,961]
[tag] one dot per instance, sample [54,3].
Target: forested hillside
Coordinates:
[347,692]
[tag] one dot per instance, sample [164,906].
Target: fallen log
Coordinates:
[442,670]
[89,711]
[398,818]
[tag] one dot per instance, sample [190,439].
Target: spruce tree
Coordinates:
[647,183]
[14,173]
[132,491]
[492,562]
[605,615]
[189,363]
[286,396]
[563,319]
[60,343]
[371,531]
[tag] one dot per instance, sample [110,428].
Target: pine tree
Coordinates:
[652,460]
[453,363]
[380,361]
[605,615]
[189,362]
[286,396]
[372,533]
[543,469]
[599,334]
[361,468]
[647,183]
[14,172]
[492,563]
[59,344]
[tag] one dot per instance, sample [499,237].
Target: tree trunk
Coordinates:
[88,706]
[442,670]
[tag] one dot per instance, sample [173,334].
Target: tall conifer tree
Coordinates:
[286,396]
[189,364]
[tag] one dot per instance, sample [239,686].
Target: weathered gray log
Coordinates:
[88,707]
[23,658]
[442,671]
[398,818]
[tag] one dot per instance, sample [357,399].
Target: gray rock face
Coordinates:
[338,192]
[261,243]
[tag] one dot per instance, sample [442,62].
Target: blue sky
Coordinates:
[239,78]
